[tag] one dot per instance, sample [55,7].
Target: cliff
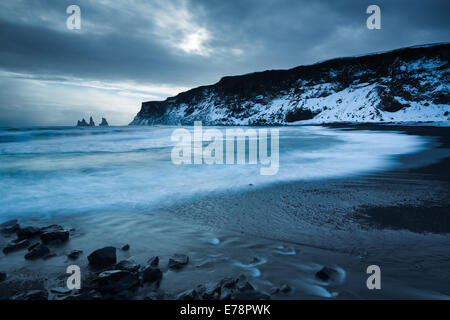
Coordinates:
[408,84]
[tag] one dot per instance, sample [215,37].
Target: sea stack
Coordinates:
[91,122]
[82,123]
[104,123]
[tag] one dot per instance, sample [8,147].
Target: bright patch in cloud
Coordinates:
[195,43]
[179,28]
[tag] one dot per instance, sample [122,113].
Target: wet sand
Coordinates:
[284,234]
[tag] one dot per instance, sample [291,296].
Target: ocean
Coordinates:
[48,171]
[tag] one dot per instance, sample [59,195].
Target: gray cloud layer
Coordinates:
[129,51]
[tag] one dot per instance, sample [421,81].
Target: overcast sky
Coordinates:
[129,51]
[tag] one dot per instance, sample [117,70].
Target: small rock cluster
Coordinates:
[110,279]
[91,123]
[121,280]
[48,236]
[227,289]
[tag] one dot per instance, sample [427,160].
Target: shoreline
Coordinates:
[322,221]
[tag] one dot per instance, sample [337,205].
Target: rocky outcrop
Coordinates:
[16,245]
[128,265]
[49,235]
[91,123]
[82,123]
[109,280]
[330,274]
[408,84]
[40,251]
[326,273]
[104,123]
[153,261]
[54,233]
[227,289]
[178,261]
[102,258]
[37,295]
[9,226]
[27,232]
[74,254]
[116,281]
[152,274]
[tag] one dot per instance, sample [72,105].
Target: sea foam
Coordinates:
[53,171]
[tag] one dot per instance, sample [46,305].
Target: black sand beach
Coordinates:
[278,237]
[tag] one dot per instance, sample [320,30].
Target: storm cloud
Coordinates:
[131,51]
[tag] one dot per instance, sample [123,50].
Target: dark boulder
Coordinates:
[74,254]
[16,245]
[84,295]
[52,227]
[115,281]
[54,233]
[178,261]
[327,274]
[209,292]
[156,295]
[228,283]
[61,290]
[152,274]
[9,226]
[102,258]
[127,265]
[39,251]
[126,247]
[244,290]
[33,246]
[243,285]
[286,289]
[226,287]
[3,276]
[226,293]
[274,290]
[50,255]
[32,295]
[154,261]
[239,289]
[250,295]
[8,223]
[27,232]
[190,294]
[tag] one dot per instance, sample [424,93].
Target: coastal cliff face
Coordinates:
[409,84]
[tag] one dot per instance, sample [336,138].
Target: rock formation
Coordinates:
[91,123]
[104,123]
[82,123]
[408,84]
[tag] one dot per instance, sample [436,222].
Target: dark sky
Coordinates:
[129,51]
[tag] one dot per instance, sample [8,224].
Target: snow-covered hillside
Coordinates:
[409,84]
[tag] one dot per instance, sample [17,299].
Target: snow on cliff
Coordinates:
[409,84]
